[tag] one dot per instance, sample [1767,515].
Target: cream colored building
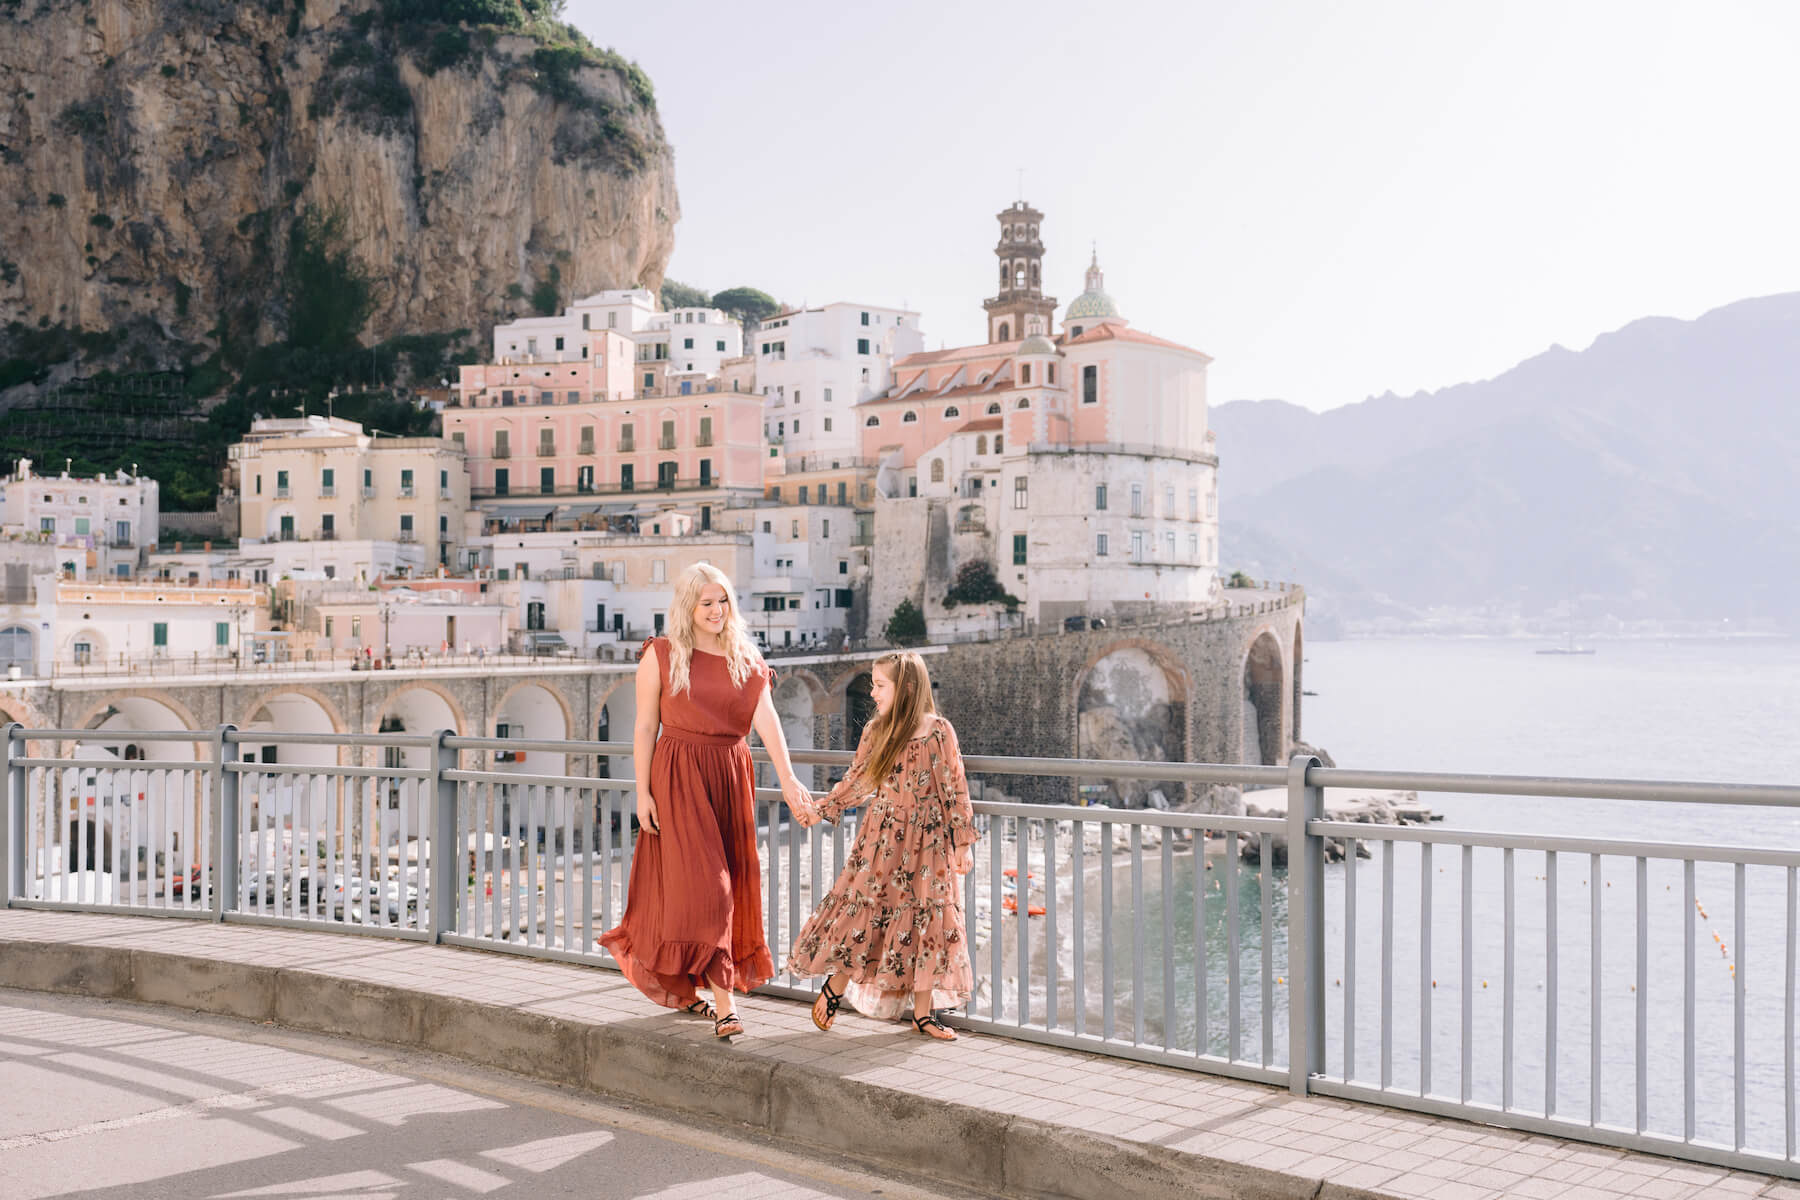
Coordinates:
[323,480]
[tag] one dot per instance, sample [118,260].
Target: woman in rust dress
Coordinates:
[693,914]
[890,932]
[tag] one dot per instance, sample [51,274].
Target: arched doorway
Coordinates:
[1263,742]
[1129,707]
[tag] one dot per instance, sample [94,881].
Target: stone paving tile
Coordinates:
[1388,1152]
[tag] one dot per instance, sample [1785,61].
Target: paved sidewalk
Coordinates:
[1010,1118]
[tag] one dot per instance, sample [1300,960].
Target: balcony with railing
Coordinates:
[666,442]
[406,491]
[327,492]
[502,452]
[325,535]
[368,492]
[282,493]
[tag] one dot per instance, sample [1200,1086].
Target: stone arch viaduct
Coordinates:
[1219,686]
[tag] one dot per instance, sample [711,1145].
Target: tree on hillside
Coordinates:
[680,295]
[329,294]
[976,583]
[907,626]
[746,304]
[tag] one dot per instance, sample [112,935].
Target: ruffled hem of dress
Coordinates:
[673,975]
[882,1005]
[950,988]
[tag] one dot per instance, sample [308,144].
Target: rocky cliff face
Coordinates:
[155,153]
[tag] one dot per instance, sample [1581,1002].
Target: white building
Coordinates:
[805,569]
[813,364]
[324,483]
[692,341]
[100,525]
[117,624]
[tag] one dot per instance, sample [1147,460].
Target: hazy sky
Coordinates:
[1332,200]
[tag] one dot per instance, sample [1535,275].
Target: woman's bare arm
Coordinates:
[643,736]
[767,724]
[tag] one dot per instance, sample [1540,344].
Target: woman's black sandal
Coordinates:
[832,1000]
[720,1024]
[930,1021]
[698,1008]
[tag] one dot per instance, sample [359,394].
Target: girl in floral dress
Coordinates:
[891,931]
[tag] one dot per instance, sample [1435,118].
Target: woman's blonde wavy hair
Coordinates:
[741,655]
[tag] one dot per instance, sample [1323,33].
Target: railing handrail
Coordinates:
[1563,787]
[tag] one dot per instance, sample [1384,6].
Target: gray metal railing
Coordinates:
[1258,947]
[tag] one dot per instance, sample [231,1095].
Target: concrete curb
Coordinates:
[959,1144]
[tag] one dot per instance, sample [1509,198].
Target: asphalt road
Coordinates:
[121,1101]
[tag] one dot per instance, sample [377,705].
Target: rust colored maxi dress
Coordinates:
[693,912]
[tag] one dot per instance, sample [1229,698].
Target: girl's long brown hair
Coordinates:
[890,731]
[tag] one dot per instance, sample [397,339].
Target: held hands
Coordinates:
[646,812]
[800,802]
[964,860]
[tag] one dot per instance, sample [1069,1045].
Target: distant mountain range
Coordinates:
[1653,476]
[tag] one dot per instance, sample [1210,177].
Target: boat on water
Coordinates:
[1568,647]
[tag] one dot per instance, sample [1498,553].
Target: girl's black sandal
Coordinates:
[832,1000]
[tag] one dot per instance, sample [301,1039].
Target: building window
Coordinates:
[687,343]
[1099,497]
[862,345]
[328,482]
[795,532]
[281,483]
[719,346]
[502,481]
[1100,545]
[910,418]
[1024,372]
[1020,491]
[871,423]
[828,395]
[406,527]
[406,483]
[159,634]
[1212,504]
[951,413]
[547,480]
[559,343]
[993,410]
[221,633]
[1137,499]
[586,443]
[865,318]
[546,443]
[443,485]
[1193,504]
[369,480]
[574,397]
[1018,549]
[803,493]
[649,381]
[1090,385]
[1049,372]
[1137,545]
[1194,546]
[502,443]
[937,470]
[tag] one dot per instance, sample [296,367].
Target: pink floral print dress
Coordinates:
[893,921]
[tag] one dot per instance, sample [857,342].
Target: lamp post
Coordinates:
[387,618]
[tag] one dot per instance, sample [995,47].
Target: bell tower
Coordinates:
[1021,308]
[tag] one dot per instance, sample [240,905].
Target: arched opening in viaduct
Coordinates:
[1263,742]
[288,712]
[616,722]
[1131,704]
[859,708]
[794,704]
[152,814]
[416,709]
[533,712]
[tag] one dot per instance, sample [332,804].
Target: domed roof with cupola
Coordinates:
[1037,343]
[1093,306]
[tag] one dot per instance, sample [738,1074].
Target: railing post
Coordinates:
[1306,927]
[12,826]
[225,822]
[446,855]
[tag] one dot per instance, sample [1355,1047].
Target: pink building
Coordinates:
[579,427]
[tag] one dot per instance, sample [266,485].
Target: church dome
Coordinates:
[1037,343]
[1091,305]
